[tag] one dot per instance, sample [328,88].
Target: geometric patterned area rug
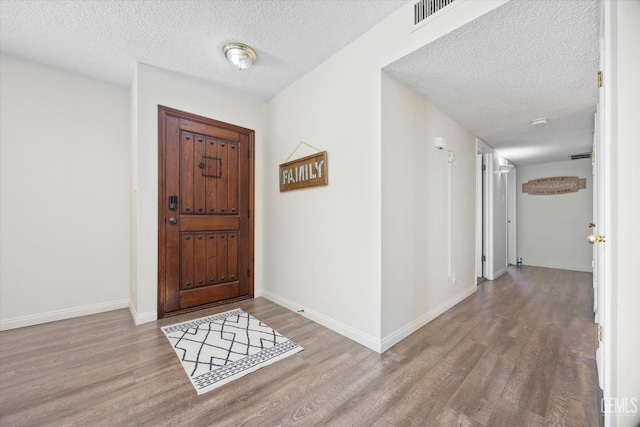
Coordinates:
[218,349]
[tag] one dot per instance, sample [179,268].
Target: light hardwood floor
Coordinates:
[519,352]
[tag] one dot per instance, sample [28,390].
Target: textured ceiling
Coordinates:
[104,39]
[525,60]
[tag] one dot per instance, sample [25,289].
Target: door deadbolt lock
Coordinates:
[591,225]
[173,203]
[173,220]
[595,238]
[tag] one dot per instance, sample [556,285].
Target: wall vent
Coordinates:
[425,8]
[580,156]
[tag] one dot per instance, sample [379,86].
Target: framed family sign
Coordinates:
[309,171]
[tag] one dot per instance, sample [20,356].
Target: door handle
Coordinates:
[173,220]
[595,238]
[591,225]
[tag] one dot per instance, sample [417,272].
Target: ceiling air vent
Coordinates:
[580,156]
[425,8]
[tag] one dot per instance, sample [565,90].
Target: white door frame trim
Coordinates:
[487,225]
[480,272]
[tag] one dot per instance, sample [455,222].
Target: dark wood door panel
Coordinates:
[197,223]
[196,297]
[215,130]
[206,240]
[208,258]
[209,183]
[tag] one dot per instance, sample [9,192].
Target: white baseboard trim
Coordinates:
[570,267]
[52,316]
[397,336]
[140,318]
[339,327]
[497,274]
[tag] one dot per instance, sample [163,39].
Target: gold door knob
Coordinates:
[595,238]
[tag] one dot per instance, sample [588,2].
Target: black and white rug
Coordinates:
[218,349]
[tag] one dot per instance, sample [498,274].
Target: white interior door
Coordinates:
[599,249]
[511,217]
[479,216]
[600,179]
[594,216]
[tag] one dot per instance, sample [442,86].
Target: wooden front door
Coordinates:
[205,221]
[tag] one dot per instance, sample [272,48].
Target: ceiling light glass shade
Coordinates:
[240,55]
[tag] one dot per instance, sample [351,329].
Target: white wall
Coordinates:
[152,87]
[628,289]
[64,210]
[325,244]
[415,218]
[133,195]
[552,229]
[323,251]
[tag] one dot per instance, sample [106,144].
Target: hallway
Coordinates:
[518,352]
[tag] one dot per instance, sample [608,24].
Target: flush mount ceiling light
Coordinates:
[239,55]
[539,122]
